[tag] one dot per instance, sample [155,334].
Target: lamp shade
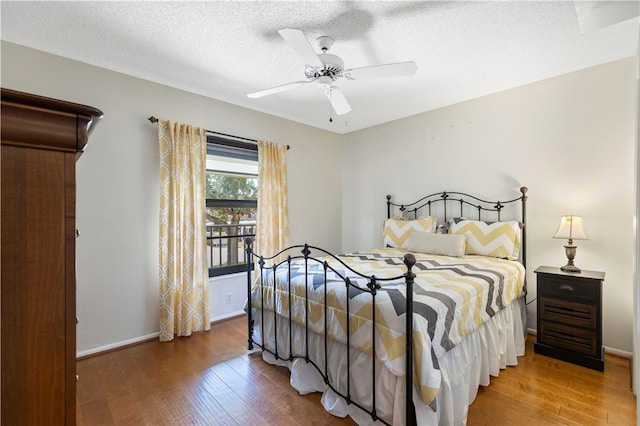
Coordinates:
[571,228]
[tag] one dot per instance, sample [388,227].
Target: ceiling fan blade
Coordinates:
[277,89]
[338,102]
[398,69]
[298,41]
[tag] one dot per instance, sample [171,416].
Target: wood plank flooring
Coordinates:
[211,379]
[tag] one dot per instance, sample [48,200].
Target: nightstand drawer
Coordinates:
[569,313]
[566,337]
[567,288]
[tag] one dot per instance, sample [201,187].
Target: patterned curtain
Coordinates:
[184,295]
[273,208]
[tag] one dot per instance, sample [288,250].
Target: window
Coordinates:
[232,201]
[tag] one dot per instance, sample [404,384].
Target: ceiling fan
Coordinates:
[325,68]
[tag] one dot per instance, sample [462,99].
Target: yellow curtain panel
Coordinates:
[273,208]
[184,295]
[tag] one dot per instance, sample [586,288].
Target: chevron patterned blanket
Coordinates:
[453,296]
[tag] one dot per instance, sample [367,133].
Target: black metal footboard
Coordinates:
[372,286]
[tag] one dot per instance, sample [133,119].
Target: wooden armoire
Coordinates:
[41,140]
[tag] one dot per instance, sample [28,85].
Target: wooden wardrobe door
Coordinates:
[40,141]
[37,198]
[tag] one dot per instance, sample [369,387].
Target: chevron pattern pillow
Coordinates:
[396,231]
[495,239]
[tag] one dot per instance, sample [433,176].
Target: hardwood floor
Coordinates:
[546,391]
[211,379]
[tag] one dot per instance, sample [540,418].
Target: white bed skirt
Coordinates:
[482,354]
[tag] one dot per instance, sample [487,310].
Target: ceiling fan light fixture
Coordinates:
[325,81]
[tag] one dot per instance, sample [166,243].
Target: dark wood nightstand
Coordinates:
[570,316]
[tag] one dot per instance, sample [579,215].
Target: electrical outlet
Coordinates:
[227,298]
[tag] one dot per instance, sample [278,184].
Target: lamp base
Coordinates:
[570,250]
[570,268]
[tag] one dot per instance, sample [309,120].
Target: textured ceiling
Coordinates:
[225,50]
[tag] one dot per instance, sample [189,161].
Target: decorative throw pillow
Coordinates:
[496,239]
[432,243]
[396,231]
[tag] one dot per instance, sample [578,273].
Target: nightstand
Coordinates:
[570,316]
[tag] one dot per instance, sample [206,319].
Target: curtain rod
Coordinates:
[155,120]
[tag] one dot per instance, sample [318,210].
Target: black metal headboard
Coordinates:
[447,205]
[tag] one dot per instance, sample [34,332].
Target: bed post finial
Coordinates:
[388,206]
[409,261]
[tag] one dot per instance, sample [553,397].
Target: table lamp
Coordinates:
[571,229]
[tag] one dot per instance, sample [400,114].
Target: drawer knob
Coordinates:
[567,287]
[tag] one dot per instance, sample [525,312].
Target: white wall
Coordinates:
[117,186]
[570,139]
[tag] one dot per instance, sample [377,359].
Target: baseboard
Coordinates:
[228,316]
[113,346]
[125,343]
[618,352]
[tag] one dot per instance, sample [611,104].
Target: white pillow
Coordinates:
[431,243]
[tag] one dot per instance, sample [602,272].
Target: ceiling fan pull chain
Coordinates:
[330,103]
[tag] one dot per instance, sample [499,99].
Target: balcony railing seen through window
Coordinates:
[226,247]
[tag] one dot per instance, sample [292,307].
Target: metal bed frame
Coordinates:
[465,202]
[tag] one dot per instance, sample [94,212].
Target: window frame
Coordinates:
[235,146]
